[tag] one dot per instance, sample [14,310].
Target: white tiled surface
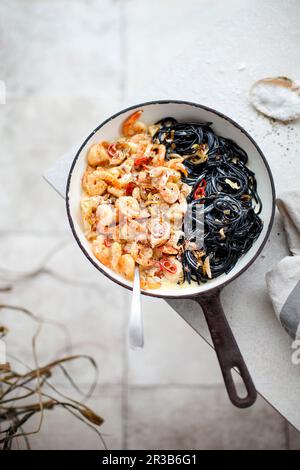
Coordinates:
[64,73]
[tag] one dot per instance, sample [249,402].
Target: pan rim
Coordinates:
[196,105]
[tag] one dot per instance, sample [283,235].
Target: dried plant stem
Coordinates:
[15,413]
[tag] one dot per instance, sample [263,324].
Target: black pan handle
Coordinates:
[227,350]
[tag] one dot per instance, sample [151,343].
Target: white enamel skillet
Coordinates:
[208,294]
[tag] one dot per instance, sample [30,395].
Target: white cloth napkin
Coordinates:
[283,282]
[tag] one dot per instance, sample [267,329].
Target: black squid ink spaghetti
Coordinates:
[222,182]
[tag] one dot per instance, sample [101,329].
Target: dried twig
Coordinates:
[23,395]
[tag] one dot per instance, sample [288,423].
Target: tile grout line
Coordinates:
[124,385]
[123,87]
[123,48]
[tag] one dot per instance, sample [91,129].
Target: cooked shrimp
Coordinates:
[136,139]
[101,251]
[126,266]
[132,126]
[106,214]
[115,191]
[117,154]
[115,171]
[93,184]
[123,181]
[182,203]
[97,154]
[127,146]
[159,157]
[175,216]
[176,164]
[112,231]
[118,159]
[176,212]
[116,253]
[133,230]
[174,175]
[179,208]
[172,247]
[135,202]
[159,232]
[170,193]
[127,246]
[111,177]
[161,175]
[158,172]
[105,175]
[128,206]
[88,207]
[159,211]
[144,214]
[142,254]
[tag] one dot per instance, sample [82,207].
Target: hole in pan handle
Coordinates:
[227,350]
